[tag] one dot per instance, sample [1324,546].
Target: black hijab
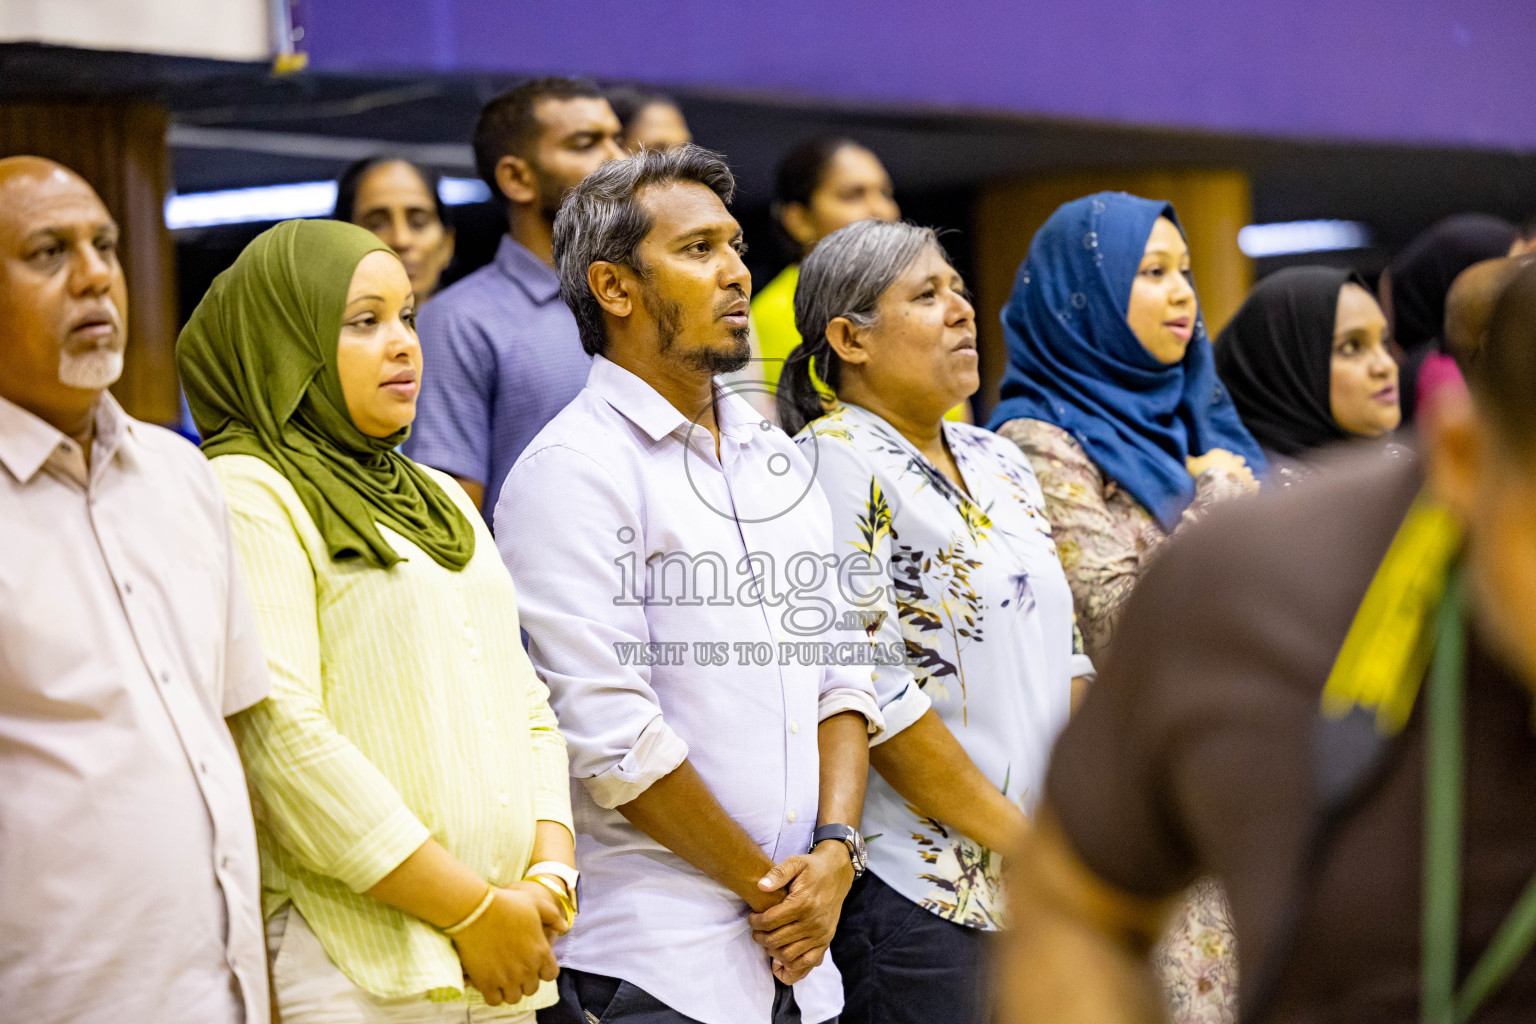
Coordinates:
[1419,280]
[1423,273]
[1276,358]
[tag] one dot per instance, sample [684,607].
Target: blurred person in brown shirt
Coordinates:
[1329,721]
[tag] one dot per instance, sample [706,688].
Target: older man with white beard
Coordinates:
[128,876]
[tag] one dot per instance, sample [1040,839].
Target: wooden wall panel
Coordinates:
[1212,206]
[119,147]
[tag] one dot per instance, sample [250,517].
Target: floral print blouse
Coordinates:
[1107,539]
[970,588]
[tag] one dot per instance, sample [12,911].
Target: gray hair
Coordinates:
[844,276]
[602,220]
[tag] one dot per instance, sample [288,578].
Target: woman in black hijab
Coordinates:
[1306,361]
[1414,287]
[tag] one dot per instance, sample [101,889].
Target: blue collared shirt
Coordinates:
[502,356]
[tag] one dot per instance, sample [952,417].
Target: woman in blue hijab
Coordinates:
[1111,391]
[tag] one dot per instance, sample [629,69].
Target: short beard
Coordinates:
[93,370]
[718,363]
[669,322]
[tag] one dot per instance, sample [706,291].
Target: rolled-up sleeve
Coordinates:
[580,613]
[861,519]
[320,796]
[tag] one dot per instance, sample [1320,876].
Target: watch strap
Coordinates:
[560,870]
[843,833]
[850,838]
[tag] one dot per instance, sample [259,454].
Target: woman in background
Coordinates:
[649,120]
[1111,392]
[398,201]
[820,186]
[1413,290]
[407,775]
[1306,361]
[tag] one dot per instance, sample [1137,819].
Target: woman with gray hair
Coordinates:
[941,529]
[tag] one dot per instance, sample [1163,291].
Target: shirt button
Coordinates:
[165,678]
[127,587]
[224,863]
[202,766]
[490,726]
[474,654]
[791,815]
[794,726]
[503,798]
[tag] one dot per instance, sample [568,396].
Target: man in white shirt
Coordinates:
[128,876]
[667,547]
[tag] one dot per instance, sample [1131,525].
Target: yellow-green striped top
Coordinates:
[403,706]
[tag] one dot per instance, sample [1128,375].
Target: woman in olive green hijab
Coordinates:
[408,777]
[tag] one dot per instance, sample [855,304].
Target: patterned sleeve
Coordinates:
[1103,553]
[1213,487]
[862,518]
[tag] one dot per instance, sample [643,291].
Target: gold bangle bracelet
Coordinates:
[474,915]
[562,897]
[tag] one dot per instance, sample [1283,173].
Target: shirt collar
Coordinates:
[643,405]
[27,440]
[738,419]
[634,399]
[530,273]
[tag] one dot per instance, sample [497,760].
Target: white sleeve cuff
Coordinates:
[902,710]
[1082,665]
[657,752]
[847,698]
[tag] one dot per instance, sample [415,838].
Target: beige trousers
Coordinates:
[307,988]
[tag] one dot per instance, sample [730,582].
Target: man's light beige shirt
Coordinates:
[128,872]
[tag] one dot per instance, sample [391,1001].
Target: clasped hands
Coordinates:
[1221,460]
[797,930]
[506,952]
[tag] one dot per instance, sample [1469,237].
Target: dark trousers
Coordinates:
[595,999]
[903,964]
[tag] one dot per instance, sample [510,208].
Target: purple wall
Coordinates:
[1456,72]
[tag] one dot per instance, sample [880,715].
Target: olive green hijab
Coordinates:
[258,363]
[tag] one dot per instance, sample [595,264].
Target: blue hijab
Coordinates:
[1074,362]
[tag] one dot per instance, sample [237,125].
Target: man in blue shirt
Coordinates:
[502,351]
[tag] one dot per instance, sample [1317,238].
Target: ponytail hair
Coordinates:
[844,276]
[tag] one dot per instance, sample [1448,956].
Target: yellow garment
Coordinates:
[1387,649]
[773,321]
[403,707]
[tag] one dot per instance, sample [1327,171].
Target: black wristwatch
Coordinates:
[849,837]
